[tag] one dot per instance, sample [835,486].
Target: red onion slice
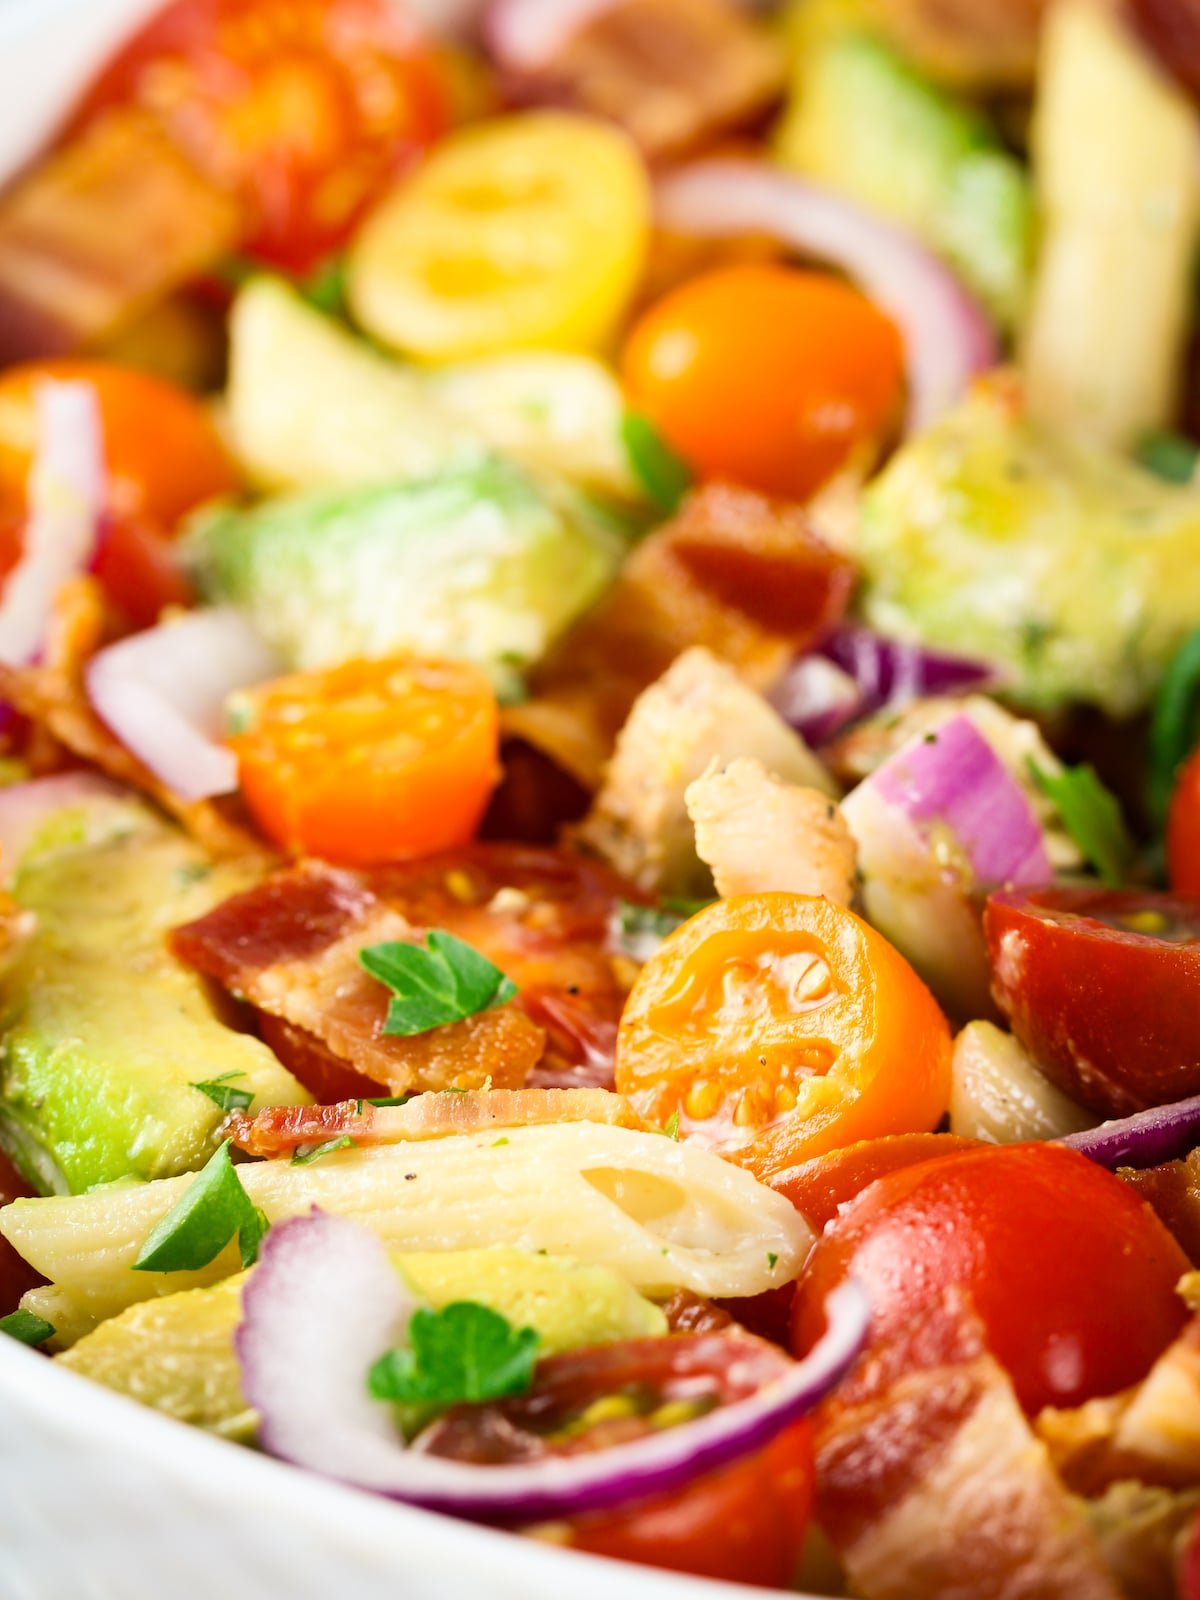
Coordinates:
[1148,1138]
[325,1302]
[163,693]
[66,504]
[948,336]
[25,807]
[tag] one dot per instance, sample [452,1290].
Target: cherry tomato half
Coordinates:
[821,1187]
[305,109]
[1102,987]
[766,375]
[371,760]
[746,1523]
[1072,1276]
[779,1026]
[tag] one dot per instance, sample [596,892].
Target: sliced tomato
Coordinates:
[371,760]
[139,572]
[746,1523]
[306,110]
[1072,1276]
[1102,987]
[821,1187]
[779,1026]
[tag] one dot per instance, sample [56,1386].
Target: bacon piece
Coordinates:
[278,1130]
[674,73]
[291,946]
[744,576]
[1173,1191]
[931,1485]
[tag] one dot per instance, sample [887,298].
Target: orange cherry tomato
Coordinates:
[370,761]
[821,1187]
[779,1026]
[1183,829]
[1072,1276]
[304,109]
[162,451]
[766,374]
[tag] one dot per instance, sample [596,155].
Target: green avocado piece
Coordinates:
[1073,569]
[479,564]
[104,1032]
[865,122]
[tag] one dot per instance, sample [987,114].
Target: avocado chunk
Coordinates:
[479,564]
[1071,568]
[866,123]
[104,1032]
[176,1353]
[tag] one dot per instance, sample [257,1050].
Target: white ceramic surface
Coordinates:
[102,1500]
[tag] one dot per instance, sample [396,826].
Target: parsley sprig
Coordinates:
[441,983]
[464,1352]
[214,1208]
[1092,816]
[221,1094]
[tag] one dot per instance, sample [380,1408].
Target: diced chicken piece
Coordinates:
[757,834]
[698,712]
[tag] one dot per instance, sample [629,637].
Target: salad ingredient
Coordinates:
[379,420]
[1101,988]
[974,46]
[867,123]
[947,337]
[1146,1139]
[371,760]
[304,117]
[1173,27]
[477,564]
[698,712]
[163,693]
[284,1341]
[1092,816]
[105,1032]
[1119,195]
[66,489]
[465,1352]
[1000,1094]
[212,1211]
[1066,566]
[292,947]
[15,1275]
[25,1328]
[1070,1312]
[443,983]
[823,1185]
[778,1027]
[661,1214]
[1174,727]
[663,475]
[1183,829]
[939,818]
[903,1496]
[766,375]
[757,833]
[526,232]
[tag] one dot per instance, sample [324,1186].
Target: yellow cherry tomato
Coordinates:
[527,232]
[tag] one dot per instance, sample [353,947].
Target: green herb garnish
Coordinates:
[442,983]
[1092,816]
[26,1328]
[672,1125]
[663,475]
[300,1159]
[325,287]
[637,930]
[464,1352]
[196,1230]
[1168,456]
[228,1099]
[1175,724]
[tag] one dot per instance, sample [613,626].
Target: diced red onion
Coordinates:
[948,336]
[163,693]
[325,1303]
[1148,1138]
[25,808]
[66,504]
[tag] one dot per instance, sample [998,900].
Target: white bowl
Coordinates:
[101,1499]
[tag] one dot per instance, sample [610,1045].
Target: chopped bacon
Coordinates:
[1173,1191]
[692,1313]
[279,1130]
[931,1486]
[744,576]
[674,73]
[291,946]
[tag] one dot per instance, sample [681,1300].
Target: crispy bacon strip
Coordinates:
[1173,1191]
[291,946]
[279,1130]
[931,1485]
[739,574]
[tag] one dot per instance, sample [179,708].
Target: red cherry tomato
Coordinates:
[1183,829]
[16,1275]
[1102,987]
[305,109]
[1173,28]
[821,1187]
[766,375]
[1072,1276]
[746,1523]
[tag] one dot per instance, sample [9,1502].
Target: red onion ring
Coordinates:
[25,807]
[1147,1139]
[325,1302]
[948,336]
[163,692]
[66,504]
